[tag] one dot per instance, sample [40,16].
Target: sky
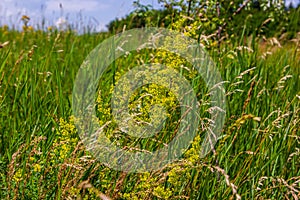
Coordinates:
[96,12]
[294,2]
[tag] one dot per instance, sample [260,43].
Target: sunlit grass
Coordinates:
[41,156]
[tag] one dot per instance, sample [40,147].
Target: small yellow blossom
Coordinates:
[37,168]
[18,175]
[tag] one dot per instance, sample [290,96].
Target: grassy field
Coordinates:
[41,156]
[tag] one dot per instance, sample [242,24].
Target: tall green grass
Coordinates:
[41,156]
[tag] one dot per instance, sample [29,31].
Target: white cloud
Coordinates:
[76,5]
[14,8]
[294,2]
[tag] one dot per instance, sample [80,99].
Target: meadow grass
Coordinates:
[41,156]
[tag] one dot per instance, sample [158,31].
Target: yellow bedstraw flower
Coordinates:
[31,159]
[37,168]
[18,175]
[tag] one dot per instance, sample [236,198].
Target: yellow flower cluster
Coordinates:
[37,168]
[193,154]
[141,104]
[178,175]
[143,189]
[103,108]
[66,138]
[18,175]
[162,192]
